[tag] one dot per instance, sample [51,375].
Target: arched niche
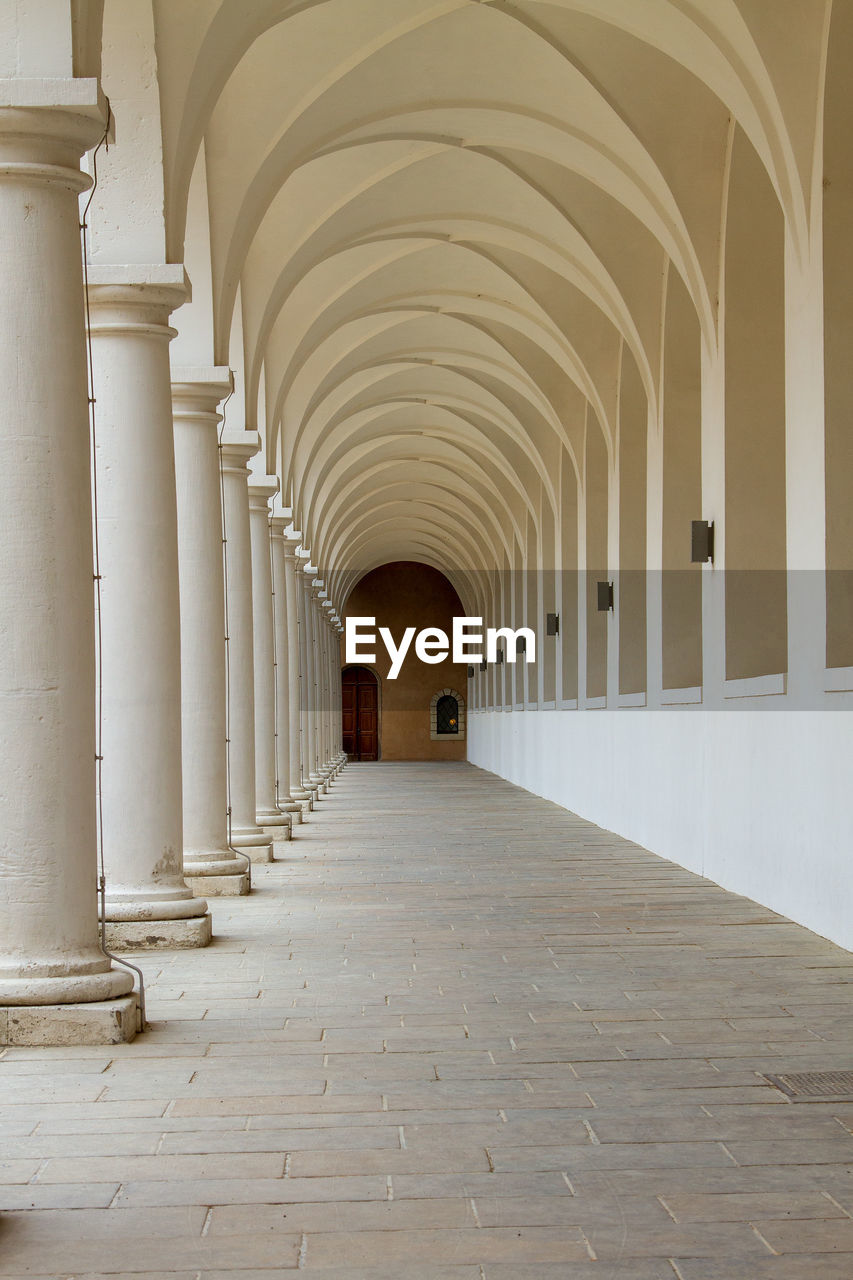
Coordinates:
[755,536]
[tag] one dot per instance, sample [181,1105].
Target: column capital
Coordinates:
[261,489]
[237,448]
[281,521]
[136,298]
[197,393]
[46,125]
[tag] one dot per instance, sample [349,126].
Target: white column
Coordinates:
[210,866]
[340,754]
[328,763]
[303,597]
[321,655]
[292,589]
[52,969]
[246,835]
[267,812]
[331,655]
[278,537]
[314,775]
[148,902]
[329,637]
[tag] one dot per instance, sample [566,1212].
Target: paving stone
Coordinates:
[147,1253]
[355,1216]
[97,1195]
[814,1266]
[807,1237]
[162,1168]
[527,1244]
[749,1207]
[214,1191]
[337,1138]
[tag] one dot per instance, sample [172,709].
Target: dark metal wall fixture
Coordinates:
[701,541]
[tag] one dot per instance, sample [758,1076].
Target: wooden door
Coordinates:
[360,714]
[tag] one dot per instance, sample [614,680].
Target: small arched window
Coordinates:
[447,715]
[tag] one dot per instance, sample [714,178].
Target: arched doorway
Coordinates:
[360,713]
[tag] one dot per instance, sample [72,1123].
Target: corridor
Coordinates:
[455,1033]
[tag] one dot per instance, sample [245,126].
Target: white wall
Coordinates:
[760,802]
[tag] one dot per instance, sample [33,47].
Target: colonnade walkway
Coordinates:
[455,1034]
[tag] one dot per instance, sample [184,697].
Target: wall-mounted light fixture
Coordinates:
[520,644]
[552,624]
[701,541]
[470,673]
[499,656]
[605,596]
[483,665]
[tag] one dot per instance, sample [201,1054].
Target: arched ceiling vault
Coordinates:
[438,229]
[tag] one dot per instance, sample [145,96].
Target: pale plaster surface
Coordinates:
[460,1034]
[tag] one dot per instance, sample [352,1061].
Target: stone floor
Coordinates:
[455,1034]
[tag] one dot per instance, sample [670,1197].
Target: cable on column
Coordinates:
[96,574]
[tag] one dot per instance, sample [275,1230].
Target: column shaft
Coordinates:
[51,966]
[267,811]
[148,902]
[246,834]
[210,866]
[326,753]
[278,538]
[294,668]
[310,680]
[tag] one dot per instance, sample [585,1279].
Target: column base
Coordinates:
[254,843]
[210,876]
[303,798]
[260,853]
[276,827]
[230,886]
[159,935]
[279,835]
[270,818]
[98,1022]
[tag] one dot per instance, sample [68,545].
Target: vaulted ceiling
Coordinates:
[429,234]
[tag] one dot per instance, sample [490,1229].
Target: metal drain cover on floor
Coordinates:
[815,1084]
